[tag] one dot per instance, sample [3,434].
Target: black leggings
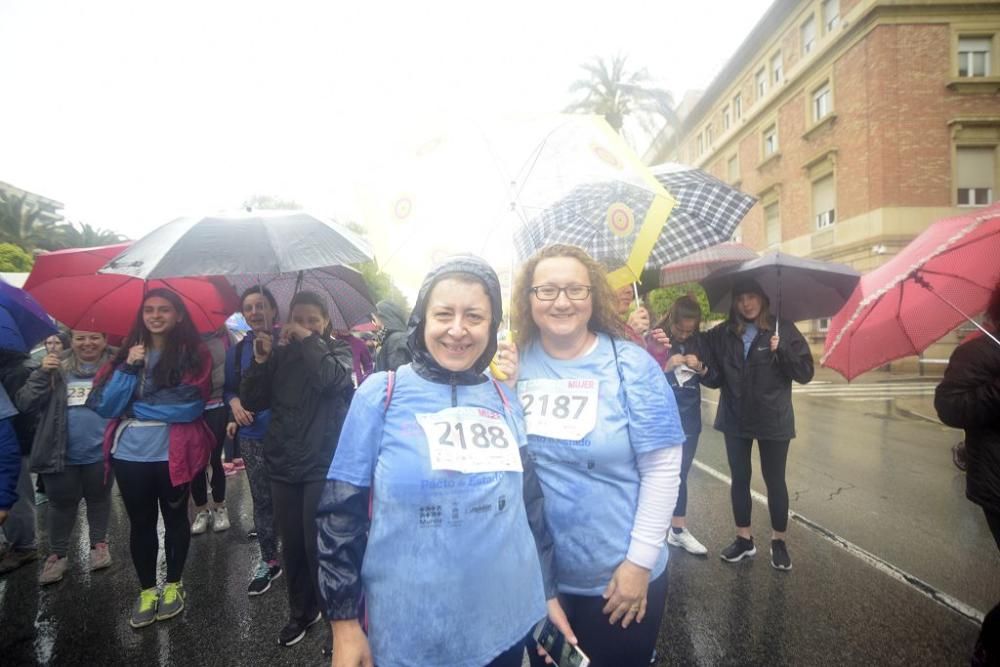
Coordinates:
[143,487]
[687,458]
[216,420]
[295,518]
[987,650]
[610,645]
[773,456]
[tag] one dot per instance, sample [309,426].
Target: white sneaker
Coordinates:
[686,541]
[220,519]
[200,523]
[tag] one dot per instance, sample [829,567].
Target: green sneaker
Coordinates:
[144,612]
[172,602]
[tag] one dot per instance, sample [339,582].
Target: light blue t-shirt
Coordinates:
[749,335]
[144,442]
[451,573]
[591,484]
[85,428]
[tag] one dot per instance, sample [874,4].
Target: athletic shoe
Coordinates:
[41,498]
[738,550]
[252,534]
[685,540]
[229,469]
[200,523]
[293,633]
[220,519]
[172,602]
[144,612]
[261,582]
[780,560]
[53,570]
[239,465]
[960,456]
[100,556]
[15,558]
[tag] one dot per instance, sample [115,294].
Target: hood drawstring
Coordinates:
[454,391]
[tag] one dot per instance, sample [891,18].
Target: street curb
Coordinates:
[913,414]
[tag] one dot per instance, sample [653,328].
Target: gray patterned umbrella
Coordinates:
[599,216]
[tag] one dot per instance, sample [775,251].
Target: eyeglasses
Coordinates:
[551,292]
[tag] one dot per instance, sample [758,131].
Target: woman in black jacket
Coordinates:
[755,368]
[969,398]
[305,381]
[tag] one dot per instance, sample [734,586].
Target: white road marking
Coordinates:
[879,564]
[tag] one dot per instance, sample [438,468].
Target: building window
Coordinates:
[808,34]
[824,197]
[822,102]
[738,107]
[727,118]
[700,141]
[761,80]
[772,224]
[975,175]
[733,169]
[974,56]
[777,75]
[831,14]
[708,136]
[823,324]
[770,141]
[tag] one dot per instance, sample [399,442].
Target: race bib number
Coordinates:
[561,409]
[470,440]
[77,393]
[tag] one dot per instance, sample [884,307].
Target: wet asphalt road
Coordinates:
[899,499]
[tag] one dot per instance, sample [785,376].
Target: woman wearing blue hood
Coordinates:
[447,561]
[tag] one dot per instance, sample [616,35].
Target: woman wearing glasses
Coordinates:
[604,431]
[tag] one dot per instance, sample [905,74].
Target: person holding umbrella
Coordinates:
[754,367]
[605,434]
[154,391]
[305,381]
[390,337]
[969,398]
[67,449]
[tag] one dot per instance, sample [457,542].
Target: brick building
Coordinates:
[856,122]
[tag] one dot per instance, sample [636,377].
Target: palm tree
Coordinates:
[86,236]
[627,99]
[24,222]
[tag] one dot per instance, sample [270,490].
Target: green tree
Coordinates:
[80,235]
[660,299]
[612,90]
[13,259]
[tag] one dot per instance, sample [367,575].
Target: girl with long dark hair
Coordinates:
[154,391]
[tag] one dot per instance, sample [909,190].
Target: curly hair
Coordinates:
[604,318]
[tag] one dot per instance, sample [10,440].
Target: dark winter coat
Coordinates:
[392,351]
[688,395]
[307,387]
[969,398]
[756,397]
[44,393]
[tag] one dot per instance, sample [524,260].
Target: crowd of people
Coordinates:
[429,510]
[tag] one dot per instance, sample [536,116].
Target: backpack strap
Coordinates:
[389,386]
[503,396]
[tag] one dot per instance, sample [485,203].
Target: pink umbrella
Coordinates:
[699,265]
[934,284]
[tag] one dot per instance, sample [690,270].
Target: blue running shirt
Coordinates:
[451,574]
[589,474]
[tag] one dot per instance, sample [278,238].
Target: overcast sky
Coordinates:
[133,113]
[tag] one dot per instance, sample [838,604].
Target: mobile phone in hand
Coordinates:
[550,638]
[258,347]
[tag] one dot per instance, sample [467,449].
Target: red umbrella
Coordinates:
[67,284]
[699,265]
[934,284]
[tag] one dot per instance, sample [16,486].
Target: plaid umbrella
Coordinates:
[344,289]
[699,265]
[604,218]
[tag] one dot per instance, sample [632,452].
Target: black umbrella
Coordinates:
[798,288]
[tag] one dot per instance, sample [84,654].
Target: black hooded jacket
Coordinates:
[343,513]
[969,398]
[392,351]
[756,397]
[307,387]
